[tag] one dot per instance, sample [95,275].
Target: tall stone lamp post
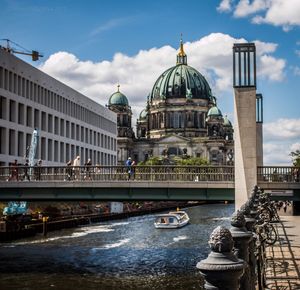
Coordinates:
[245,127]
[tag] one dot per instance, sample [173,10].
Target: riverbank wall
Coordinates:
[10,231]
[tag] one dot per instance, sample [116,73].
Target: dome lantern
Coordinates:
[181,56]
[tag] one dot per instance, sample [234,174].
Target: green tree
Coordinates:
[296,157]
[193,161]
[196,161]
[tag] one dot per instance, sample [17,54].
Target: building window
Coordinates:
[49,150]
[77,133]
[2,108]
[29,117]
[72,152]
[82,134]
[43,125]
[68,152]
[28,142]
[67,129]
[72,131]
[62,152]
[56,126]
[56,152]
[15,85]
[1,77]
[10,81]
[91,137]
[50,123]
[12,111]
[12,142]
[62,127]
[21,114]
[2,140]
[20,144]
[36,118]
[43,148]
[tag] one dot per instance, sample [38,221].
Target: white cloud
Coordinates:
[110,24]
[271,67]
[245,8]
[284,13]
[280,139]
[282,129]
[278,154]
[225,6]
[296,70]
[297,51]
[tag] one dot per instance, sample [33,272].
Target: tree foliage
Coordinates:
[296,157]
[193,161]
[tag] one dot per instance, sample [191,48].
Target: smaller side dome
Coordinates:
[226,122]
[118,98]
[143,115]
[214,112]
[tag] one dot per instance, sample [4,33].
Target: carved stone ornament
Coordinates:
[221,240]
[238,219]
[250,203]
[245,209]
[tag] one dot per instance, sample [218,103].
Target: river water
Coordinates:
[124,254]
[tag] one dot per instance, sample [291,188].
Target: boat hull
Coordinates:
[172,220]
[169,226]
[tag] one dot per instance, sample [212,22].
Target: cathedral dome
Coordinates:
[214,112]
[118,98]
[181,81]
[226,122]
[143,115]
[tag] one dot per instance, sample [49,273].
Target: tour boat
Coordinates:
[171,220]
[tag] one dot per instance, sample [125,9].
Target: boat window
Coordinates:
[171,220]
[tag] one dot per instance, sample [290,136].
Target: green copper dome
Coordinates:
[143,114]
[118,98]
[214,112]
[226,122]
[181,81]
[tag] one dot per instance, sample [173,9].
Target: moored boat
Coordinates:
[172,220]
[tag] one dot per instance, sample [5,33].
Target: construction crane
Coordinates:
[33,53]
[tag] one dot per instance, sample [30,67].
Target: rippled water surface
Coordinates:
[125,254]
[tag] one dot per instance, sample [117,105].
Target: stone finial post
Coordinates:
[221,269]
[242,238]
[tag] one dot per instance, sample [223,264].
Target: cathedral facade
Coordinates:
[181,118]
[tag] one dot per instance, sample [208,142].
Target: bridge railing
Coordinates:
[118,173]
[278,173]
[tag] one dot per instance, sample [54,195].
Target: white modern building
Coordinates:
[68,122]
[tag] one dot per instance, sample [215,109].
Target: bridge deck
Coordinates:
[147,183]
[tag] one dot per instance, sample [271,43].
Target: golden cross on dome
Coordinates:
[181,50]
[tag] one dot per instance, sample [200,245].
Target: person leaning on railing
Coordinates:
[14,175]
[69,171]
[296,174]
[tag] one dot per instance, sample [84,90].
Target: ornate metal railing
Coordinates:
[118,173]
[278,174]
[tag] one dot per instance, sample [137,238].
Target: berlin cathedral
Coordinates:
[181,118]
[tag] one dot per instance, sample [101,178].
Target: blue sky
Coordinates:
[93,45]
